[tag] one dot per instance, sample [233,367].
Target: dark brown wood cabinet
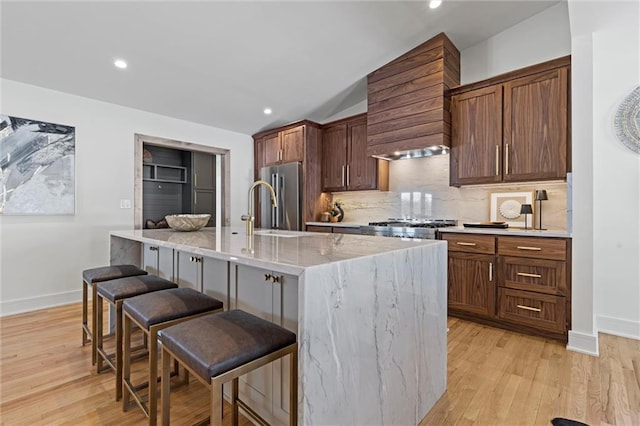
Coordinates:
[476,133]
[284,146]
[471,283]
[345,164]
[516,282]
[534,285]
[471,278]
[334,229]
[300,141]
[512,128]
[535,127]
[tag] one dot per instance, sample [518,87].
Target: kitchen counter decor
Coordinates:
[187,222]
[627,121]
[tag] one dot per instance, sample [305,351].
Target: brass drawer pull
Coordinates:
[524,274]
[490,271]
[529,248]
[497,160]
[529,308]
[465,244]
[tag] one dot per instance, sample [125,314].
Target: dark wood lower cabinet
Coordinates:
[471,283]
[532,309]
[516,283]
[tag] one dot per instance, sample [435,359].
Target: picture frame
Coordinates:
[37,167]
[505,207]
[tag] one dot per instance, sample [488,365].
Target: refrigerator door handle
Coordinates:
[281,197]
[274,211]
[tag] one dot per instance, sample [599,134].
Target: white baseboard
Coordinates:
[618,327]
[583,343]
[11,307]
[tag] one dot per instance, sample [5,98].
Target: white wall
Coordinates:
[540,38]
[606,37]
[41,257]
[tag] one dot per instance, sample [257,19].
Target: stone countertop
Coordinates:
[286,251]
[509,231]
[336,224]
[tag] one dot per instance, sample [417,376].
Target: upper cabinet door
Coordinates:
[271,146]
[334,158]
[476,143]
[204,170]
[362,170]
[292,145]
[535,127]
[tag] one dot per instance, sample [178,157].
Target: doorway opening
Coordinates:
[179,177]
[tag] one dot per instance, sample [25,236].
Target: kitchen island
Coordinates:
[369,313]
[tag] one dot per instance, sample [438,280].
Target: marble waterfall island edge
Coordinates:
[371,316]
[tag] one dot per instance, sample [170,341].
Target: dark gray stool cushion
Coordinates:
[216,343]
[112,272]
[162,306]
[123,288]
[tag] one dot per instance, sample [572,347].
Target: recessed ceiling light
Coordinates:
[120,63]
[267,111]
[435,3]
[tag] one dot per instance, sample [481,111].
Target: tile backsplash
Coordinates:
[420,188]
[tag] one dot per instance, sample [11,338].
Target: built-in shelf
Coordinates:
[163,173]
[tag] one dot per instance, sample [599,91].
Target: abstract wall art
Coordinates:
[37,167]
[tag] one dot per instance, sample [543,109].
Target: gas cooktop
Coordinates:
[416,223]
[407,228]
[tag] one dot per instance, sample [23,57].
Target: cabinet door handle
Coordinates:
[525,274]
[347,175]
[506,159]
[462,243]
[529,248]
[273,278]
[342,174]
[490,271]
[152,248]
[497,160]
[529,308]
[195,180]
[195,197]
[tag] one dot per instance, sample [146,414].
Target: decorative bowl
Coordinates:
[187,222]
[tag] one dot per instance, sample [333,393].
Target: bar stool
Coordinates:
[91,277]
[152,312]
[115,292]
[222,347]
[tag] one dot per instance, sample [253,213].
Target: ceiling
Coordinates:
[221,63]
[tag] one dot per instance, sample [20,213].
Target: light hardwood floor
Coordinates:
[495,377]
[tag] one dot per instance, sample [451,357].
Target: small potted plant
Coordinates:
[337,214]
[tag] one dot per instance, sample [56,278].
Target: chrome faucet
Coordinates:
[250,216]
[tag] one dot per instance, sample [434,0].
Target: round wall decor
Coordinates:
[627,121]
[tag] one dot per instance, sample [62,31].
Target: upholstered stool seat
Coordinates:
[222,347]
[91,277]
[115,292]
[152,312]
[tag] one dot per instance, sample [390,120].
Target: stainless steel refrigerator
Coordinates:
[286,180]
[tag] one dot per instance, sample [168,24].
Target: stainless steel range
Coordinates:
[424,229]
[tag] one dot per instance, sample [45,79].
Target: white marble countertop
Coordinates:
[336,224]
[510,231]
[286,251]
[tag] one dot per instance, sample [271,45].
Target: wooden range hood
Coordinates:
[408,104]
